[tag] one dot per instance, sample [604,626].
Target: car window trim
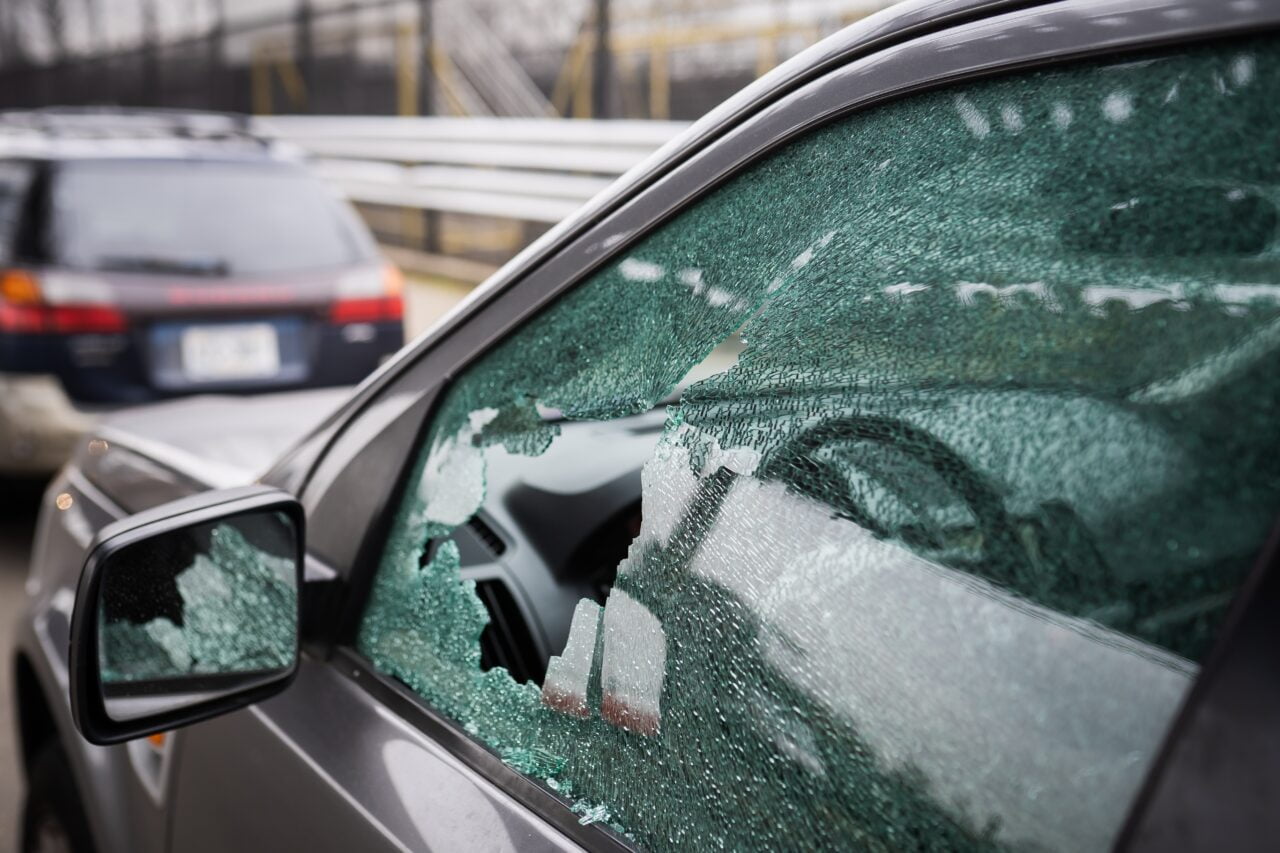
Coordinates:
[1071,32]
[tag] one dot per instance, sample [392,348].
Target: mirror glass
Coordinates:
[189,615]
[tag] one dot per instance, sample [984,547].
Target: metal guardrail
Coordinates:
[535,170]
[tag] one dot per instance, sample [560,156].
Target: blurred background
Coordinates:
[648,66]
[148,251]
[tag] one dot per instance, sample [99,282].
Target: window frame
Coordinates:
[1019,40]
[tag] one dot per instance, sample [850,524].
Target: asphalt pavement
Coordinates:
[18,505]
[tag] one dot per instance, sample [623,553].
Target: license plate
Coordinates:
[242,351]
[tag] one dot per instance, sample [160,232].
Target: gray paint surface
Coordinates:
[17,517]
[248,433]
[322,749]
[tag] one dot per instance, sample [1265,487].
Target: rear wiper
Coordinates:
[148,263]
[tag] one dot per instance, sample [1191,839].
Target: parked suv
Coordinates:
[151,254]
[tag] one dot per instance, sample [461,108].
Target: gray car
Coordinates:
[888,463]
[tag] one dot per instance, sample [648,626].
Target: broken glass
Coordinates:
[235,611]
[932,563]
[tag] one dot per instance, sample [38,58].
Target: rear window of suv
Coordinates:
[199,217]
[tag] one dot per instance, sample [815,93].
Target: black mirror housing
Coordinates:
[220,576]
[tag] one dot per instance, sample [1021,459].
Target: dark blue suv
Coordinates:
[145,255]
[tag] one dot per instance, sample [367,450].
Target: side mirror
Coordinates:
[187,611]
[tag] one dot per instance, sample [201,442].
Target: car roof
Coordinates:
[66,133]
[132,150]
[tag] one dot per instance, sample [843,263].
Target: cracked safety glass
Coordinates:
[200,610]
[978,450]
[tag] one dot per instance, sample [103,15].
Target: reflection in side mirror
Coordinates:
[187,611]
[207,609]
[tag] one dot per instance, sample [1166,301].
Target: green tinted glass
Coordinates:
[931,565]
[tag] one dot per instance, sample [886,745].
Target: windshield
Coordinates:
[200,218]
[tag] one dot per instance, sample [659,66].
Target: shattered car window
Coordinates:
[932,564]
[232,608]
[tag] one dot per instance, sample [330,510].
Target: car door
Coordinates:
[930,562]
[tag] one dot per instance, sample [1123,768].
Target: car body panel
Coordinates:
[244,433]
[317,750]
[121,813]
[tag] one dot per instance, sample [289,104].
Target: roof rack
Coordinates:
[129,122]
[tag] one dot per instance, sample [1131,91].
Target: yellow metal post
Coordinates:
[582,95]
[291,79]
[766,51]
[442,70]
[628,85]
[659,78]
[406,69]
[563,88]
[260,81]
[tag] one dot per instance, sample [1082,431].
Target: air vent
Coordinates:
[486,535]
[477,543]
[506,640]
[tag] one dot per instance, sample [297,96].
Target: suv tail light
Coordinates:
[373,309]
[385,306]
[23,309]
